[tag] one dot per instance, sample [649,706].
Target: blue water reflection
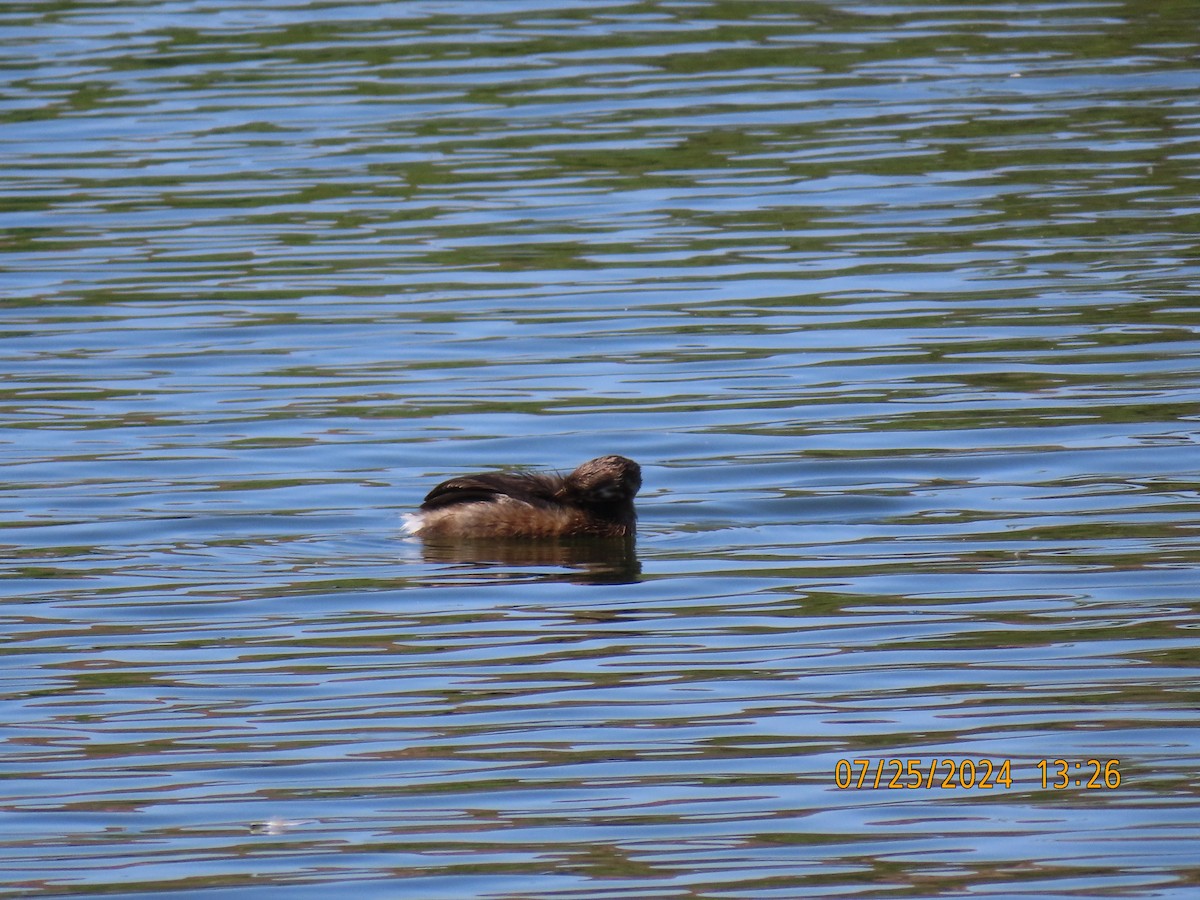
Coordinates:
[893,303]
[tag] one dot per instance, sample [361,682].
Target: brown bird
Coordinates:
[594,500]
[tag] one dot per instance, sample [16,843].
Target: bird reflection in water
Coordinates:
[586,560]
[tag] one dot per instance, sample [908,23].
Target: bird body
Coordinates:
[594,500]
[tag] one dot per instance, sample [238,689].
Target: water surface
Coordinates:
[895,304]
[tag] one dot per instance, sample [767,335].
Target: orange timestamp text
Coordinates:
[971,774]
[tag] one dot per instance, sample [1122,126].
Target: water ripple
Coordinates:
[892,302]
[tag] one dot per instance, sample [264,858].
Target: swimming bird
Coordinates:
[595,500]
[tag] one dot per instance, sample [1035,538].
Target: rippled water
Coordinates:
[895,304]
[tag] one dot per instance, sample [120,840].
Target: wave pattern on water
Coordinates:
[894,303]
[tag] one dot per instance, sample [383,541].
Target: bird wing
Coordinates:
[487,488]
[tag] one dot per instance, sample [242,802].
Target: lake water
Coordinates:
[896,304]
